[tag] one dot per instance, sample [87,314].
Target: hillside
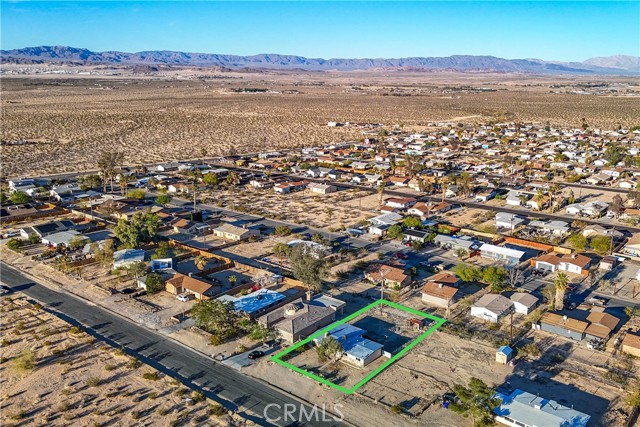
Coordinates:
[465,63]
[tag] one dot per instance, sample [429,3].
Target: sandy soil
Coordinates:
[78,381]
[68,120]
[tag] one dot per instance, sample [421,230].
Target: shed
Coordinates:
[504,354]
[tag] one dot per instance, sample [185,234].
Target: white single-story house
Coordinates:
[357,350]
[321,188]
[508,220]
[522,409]
[500,253]
[492,307]
[523,303]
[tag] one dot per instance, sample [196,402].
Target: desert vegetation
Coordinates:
[55,375]
[68,121]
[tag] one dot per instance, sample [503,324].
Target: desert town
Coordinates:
[391,272]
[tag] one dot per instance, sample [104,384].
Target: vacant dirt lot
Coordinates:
[53,374]
[70,120]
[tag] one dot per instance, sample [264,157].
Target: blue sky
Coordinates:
[562,30]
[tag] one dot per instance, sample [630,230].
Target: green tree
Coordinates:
[560,284]
[281,249]
[232,280]
[476,401]
[412,222]
[163,199]
[317,238]
[467,273]
[104,254]
[307,266]
[19,197]
[282,230]
[329,349]
[137,194]
[90,182]
[259,332]
[137,269]
[577,241]
[494,277]
[395,232]
[460,252]
[614,154]
[77,242]
[210,179]
[162,251]
[600,244]
[141,228]
[217,317]
[154,283]
[14,244]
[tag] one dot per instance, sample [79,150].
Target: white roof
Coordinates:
[514,253]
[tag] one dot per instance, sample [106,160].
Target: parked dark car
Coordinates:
[127,291]
[257,354]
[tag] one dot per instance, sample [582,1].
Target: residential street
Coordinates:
[234,390]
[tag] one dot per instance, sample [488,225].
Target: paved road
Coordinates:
[232,389]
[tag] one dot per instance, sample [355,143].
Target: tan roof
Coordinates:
[598,331]
[435,290]
[604,319]
[577,259]
[551,258]
[440,206]
[571,324]
[393,274]
[631,340]
[189,283]
[421,206]
[634,240]
[445,278]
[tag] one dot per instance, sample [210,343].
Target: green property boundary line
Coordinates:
[278,357]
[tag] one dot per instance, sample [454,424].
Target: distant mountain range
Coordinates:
[467,63]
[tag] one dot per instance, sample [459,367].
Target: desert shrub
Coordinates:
[18,415]
[217,410]
[66,391]
[94,381]
[134,363]
[135,415]
[216,340]
[151,376]
[397,409]
[153,395]
[26,361]
[75,330]
[197,396]
[162,411]
[181,391]
[5,342]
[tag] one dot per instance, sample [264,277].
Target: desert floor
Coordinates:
[53,374]
[67,121]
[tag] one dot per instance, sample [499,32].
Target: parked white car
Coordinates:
[185,297]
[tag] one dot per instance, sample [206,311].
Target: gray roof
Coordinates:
[296,316]
[525,299]
[494,303]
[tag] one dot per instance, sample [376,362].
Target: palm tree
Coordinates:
[380,193]
[124,182]
[553,190]
[233,280]
[200,262]
[560,284]
[540,198]
[444,186]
